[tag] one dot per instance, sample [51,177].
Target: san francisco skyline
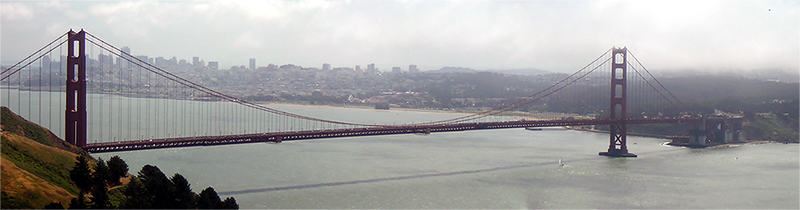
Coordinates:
[549,35]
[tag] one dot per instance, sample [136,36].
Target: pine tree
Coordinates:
[158,187]
[208,199]
[100,198]
[99,182]
[79,202]
[54,205]
[81,174]
[136,195]
[229,203]
[118,169]
[184,197]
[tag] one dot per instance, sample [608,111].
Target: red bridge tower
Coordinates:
[75,115]
[618,131]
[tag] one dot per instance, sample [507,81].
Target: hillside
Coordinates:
[760,127]
[15,124]
[774,127]
[39,169]
[35,164]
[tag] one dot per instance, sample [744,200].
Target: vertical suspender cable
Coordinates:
[19,92]
[60,79]
[148,106]
[50,89]
[28,86]
[183,113]
[138,97]
[174,120]
[112,99]
[103,64]
[89,83]
[169,109]
[156,105]
[39,90]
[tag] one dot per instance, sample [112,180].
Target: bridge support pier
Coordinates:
[618,131]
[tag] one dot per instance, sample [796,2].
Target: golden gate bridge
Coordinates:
[136,105]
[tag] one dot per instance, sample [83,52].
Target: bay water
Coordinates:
[507,168]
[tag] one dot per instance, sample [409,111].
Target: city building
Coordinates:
[196,62]
[46,62]
[213,65]
[161,62]
[371,68]
[173,61]
[397,70]
[326,66]
[107,61]
[143,58]
[125,51]
[413,69]
[252,64]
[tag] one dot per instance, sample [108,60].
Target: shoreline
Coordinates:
[359,107]
[743,144]
[723,145]
[630,134]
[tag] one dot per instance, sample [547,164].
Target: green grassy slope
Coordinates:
[36,164]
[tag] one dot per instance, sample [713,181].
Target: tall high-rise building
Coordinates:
[326,66]
[397,70]
[107,61]
[125,51]
[358,69]
[46,62]
[413,69]
[196,62]
[252,64]
[161,62]
[371,68]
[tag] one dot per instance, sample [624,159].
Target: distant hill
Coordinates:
[773,75]
[524,72]
[762,75]
[450,69]
[35,165]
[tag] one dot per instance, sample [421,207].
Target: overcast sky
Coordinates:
[549,35]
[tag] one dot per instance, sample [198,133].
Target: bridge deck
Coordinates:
[372,131]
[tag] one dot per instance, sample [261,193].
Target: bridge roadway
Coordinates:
[278,137]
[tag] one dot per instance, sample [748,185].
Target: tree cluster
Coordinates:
[150,189]
[97,182]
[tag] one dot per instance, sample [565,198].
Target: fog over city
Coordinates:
[559,36]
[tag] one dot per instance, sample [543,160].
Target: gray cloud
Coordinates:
[551,35]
